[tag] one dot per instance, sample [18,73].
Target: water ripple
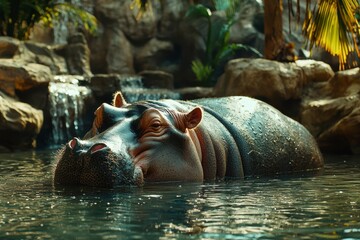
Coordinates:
[314,207]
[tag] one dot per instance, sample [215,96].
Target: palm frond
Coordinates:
[333,26]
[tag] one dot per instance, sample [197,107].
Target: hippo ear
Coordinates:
[193,118]
[119,100]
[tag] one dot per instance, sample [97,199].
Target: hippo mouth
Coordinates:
[98,166]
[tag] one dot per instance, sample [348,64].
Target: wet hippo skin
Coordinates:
[167,140]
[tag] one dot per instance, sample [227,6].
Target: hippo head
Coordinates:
[129,144]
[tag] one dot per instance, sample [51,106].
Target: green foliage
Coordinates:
[218,49]
[76,16]
[334,26]
[18,17]
[202,72]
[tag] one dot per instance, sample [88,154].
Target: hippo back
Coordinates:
[269,142]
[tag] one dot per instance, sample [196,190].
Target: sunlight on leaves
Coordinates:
[76,15]
[142,7]
[333,26]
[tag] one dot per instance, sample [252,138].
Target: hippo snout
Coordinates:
[78,146]
[94,164]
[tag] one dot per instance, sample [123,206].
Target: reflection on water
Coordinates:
[318,207]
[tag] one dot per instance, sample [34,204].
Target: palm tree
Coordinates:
[273,27]
[18,17]
[331,25]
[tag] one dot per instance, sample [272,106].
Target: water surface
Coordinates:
[326,206]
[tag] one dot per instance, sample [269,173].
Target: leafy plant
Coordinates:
[334,25]
[18,17]
[202,72]
[218,50]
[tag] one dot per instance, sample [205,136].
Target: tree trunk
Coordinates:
[273,27]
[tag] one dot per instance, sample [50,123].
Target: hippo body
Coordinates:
[196,140]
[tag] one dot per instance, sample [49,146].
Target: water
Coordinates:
[66,107]
[318,207]
[134,90]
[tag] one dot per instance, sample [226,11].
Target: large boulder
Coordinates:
[19,123]
[331,111]
[20,76]
[271,81]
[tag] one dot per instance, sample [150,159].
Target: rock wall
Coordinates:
[331,111]
[26,70]
[160,39]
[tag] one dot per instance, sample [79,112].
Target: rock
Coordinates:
[344,135]
[125,15]
[19,123]
[8,47]
[315,71]
[119,56]
[245,29]
[270,81]
[332,112]
[98,45]
[154,55]
[111,52]
[172,11]
[32,52]
[136,28]
[191,93]
[20,76]
[37,96]
[157,79]
[78,55]
[104,85]
[345,83]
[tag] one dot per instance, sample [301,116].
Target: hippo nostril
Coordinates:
[97,147]
[72,143]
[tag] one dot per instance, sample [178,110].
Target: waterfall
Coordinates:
[133,90]
[66,107]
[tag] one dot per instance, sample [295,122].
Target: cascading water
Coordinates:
[66,107]
[133,90]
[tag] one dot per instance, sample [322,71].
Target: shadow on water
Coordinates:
[324,206]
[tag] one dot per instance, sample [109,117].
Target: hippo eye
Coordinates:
[156,125]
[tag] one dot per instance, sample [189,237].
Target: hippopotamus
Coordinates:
[192,141]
